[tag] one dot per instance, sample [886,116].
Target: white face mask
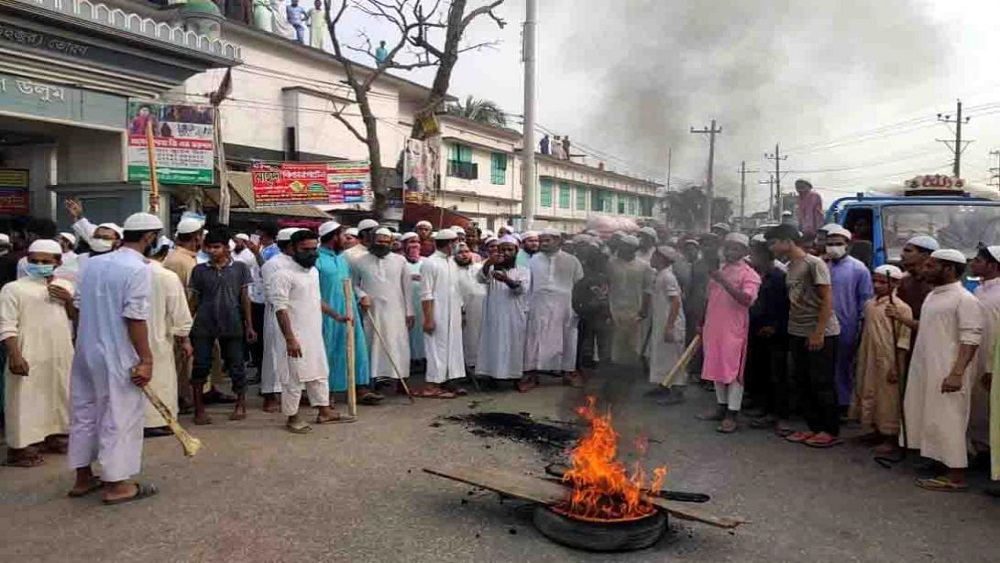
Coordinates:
[101,245]
[836,252]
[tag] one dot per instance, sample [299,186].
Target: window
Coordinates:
[461,153]
[545,193]
[498,168]
[632,206]
[596,200]
[581,198]
[564,194]
[460,163]
[621,204]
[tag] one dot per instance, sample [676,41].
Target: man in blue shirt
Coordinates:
[297,16]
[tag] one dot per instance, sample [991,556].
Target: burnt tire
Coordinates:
[600,536]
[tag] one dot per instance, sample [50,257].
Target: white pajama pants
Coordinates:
[729,395]
[106,420]
[318,391]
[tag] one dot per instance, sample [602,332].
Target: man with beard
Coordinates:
[647,243]
[442,311]
[274,367]
[412,248]
[630,284]
[939,387]
[529,247]
[382,280]
[473,295]
[249,253]
[810,208]
[552,323]
[914,289]
[333,270]
[852,288]
[299,310]
[424,229]
[351,238]
[505,315]
[366,233]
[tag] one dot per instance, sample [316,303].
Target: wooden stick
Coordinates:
[154,183]
[683,361]
[392,362]
[352,396]
[190,444]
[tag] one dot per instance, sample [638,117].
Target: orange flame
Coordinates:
[602,489]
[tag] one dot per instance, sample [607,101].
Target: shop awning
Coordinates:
[242,200]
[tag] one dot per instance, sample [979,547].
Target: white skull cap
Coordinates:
[112,226]
[353,231]
[142,222]
[189,225]
[738,238]
[328,227]
[949,255]
[890,271]
[367,224]
[48,246]
[285,235]
[925,242]
[383,232]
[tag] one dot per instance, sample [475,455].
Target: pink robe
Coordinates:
[727,324]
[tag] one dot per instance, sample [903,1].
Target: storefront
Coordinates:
[67,72]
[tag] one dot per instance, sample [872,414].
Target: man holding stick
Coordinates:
[113,361]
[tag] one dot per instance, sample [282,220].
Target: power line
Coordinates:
[957,147]
[709,184]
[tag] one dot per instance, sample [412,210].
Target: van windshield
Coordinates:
[961,227]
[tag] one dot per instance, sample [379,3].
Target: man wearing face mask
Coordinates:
[852,288]
[299,308]
[382,281]
[442,308]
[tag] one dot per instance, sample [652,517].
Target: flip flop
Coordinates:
[142,490]
[339,419]
[95,484]
[942,484]
[728,426]
[800,436]
[301,428]
[434,394]
[823,441]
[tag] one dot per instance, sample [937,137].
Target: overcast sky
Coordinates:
[850,89]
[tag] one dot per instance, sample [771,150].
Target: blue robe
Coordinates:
[852,288]
[333,270]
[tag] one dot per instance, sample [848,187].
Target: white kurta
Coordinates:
[988,294]
[505,325]
[275,368]
[417,351]
[296,289]
[439,277]
[628,283]
[108,409]
[936,422]
[552,323]
[36,406]
[662,354]
[169,317]
[473,297]
[386,283]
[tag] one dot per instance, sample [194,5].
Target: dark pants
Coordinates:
[692,320]
[813,375]
[231,350]
[257,348]
[594,331]
[767,381]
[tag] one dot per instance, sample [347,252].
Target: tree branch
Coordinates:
[486,10]
[350,126]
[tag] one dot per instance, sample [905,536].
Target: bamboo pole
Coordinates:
[154,183]
[682,362]
[352,396]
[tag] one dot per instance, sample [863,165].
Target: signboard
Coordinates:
[935,181]
[343,183]
[30,96]
[184,137]
[13,191]
[420,166]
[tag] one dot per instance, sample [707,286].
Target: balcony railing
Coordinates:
[466,170]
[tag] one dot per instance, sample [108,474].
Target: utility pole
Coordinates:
[778,205]
[770,194]
[528,192]
[743,188]
[995,172]
[957,146]
[670,161]
[710,180]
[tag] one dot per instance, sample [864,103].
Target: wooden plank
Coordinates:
[541,491]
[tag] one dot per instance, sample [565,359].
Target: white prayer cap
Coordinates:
[690,242]
[48,246]
[649,232]
[629,240]
[241,236]
[738,238]
[488,233]
[722,227]
[143,222]
[925,242]
[424,224]
[232,245]
[285,235]
[328,227]
[189,225]
[758,238]
[839,231]
[551,232]
[112,226]
[829,227]
[4,239]
[383,232]
[490,240]
[409,236]
[396,236]
[70,237]
[509,239]
[367,224]
[445,234]
[668,252]
[164,241]
[994,251]
[353,231]
[949,255]
[529,234]
[890,271]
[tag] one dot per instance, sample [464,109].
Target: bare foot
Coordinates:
[202,419]
[271,405]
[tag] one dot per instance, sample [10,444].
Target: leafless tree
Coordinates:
[429,34]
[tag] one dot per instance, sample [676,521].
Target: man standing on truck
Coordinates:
[810,208]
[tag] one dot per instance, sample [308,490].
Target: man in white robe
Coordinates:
[169,324]
[442,309]
[382,280]
[939,385]
[299,309]
[364,235]
[505,315]
[113,360]
[629,288]
[274,363]
[37,331]
[552,323]
[473,297]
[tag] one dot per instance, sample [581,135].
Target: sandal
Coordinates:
[94,485]
[526,383]
[298,428]
[942,484]
[428,393]
[823,440]
[728,426]
[25,457]
[142,490]
[800,436]
[371,399]
[338,419]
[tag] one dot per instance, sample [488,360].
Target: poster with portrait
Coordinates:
[184,141]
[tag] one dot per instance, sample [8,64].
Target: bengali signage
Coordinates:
[935,182]
[29,96]
[184,141]
[342,183]
[13,191]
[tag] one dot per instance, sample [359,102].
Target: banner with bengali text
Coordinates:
[184,141]
[341,183]
[14,191]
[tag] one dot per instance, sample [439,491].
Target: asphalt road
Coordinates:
[355,493]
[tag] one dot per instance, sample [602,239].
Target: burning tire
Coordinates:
[610,535]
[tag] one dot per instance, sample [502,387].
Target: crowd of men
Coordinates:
[781,323]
